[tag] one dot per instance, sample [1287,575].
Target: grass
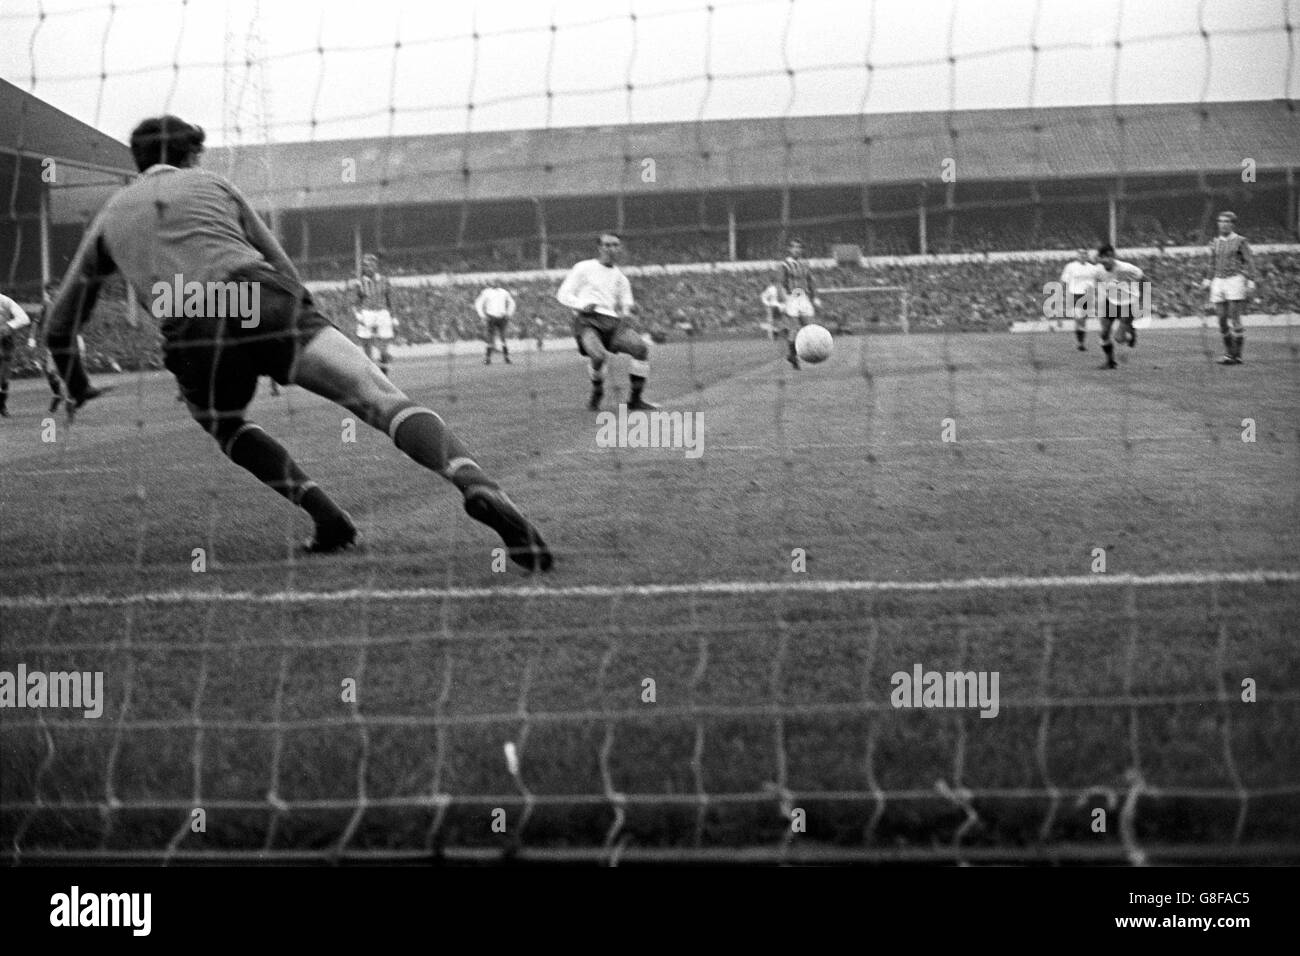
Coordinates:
[1124,697]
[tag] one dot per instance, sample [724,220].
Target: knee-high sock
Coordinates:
[1109,349]
[425,438]
[596,372]
[270,462]
[638,370]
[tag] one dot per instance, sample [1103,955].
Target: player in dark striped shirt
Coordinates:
[794,283]
[1229,283]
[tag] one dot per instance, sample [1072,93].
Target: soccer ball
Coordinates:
[813,344]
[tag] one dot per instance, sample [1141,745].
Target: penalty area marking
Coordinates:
[732,588]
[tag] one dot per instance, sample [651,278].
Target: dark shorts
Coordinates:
[217,361]
[8,343]
[606,326]
[497,328]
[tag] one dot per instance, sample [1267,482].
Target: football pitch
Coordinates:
[712,657]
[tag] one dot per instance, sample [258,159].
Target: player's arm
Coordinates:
[510,305]
[18,317]
[1209,268]
[73,306]
[1247,262]
[569,289]
[1126,270]
[262,238]
[480,305]
[626,304]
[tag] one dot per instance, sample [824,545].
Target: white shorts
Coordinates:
[798,306]
[1228,289]
[374,323]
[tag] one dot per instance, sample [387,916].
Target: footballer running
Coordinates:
[1118,297]
[601,297]
[1079,278]
[179,220]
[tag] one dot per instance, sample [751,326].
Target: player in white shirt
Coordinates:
[495,306]
[1079,277]
[375,322]
[13,319]
[1118,295]
[601,298]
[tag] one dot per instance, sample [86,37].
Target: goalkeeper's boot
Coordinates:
[495,509]
[639,404]
[338,534]
[597,393]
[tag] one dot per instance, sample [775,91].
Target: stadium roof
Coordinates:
[33,128]
[716,155]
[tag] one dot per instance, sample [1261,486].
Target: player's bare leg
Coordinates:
[332,367]
[632,345]
[597,358]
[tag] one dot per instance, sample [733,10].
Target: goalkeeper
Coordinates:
[178,223]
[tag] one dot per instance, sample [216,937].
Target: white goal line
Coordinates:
[1178,579]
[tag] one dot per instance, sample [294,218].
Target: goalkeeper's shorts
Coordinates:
[217,361]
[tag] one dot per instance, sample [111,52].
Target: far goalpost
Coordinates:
[867,308]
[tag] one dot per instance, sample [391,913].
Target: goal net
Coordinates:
[944,597]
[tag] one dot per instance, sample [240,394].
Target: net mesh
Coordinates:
[731,662]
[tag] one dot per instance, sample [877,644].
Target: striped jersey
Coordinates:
[796,275]
[1229,256]
[372,292]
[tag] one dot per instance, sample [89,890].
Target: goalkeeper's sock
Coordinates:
[1109,349]
[425,438]
[1239,343]
[1079,334]
[269,462]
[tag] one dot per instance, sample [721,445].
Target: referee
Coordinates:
[181,224]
